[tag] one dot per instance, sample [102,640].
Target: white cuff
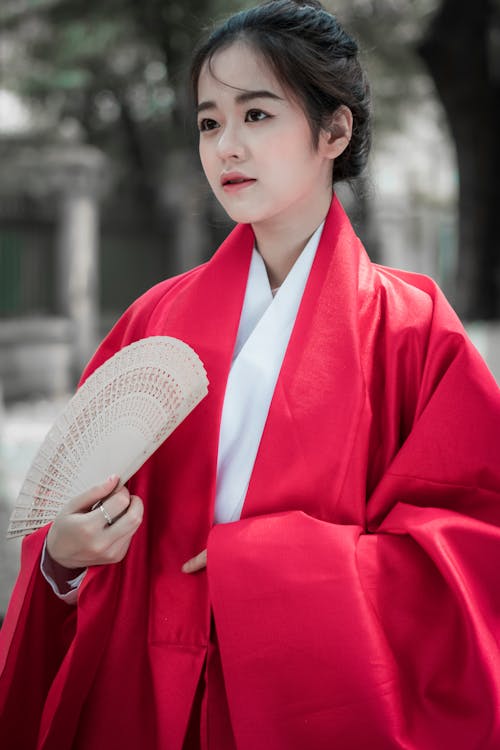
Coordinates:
[71,594]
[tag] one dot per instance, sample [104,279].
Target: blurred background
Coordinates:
[101,193]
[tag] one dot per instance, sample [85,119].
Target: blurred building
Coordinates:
[49,215]
[66,272]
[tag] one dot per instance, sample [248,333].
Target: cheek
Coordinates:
[291,148]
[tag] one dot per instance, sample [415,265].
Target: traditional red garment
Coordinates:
[356,603]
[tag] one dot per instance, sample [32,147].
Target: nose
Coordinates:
[230,143]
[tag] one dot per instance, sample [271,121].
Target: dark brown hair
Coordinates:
[313,57]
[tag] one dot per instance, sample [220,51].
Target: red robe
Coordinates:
[355,604]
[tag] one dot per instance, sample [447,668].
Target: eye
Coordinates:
[207,124]
[255,115]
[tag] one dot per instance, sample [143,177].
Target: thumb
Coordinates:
[90,497]
[196,563]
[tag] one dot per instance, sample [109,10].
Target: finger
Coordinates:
[87,499]
[196,563]
[118,550]
[113,541]
[112,507]
[128,521]
[103,544]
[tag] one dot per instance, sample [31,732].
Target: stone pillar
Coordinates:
[183,197]
[77,271]
[77,175]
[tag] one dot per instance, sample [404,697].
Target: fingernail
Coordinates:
[111,477]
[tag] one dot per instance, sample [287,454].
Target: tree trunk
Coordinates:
[458,55]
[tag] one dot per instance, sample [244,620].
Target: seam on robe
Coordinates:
[438,482]
[175,644]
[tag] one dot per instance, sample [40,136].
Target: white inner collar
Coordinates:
[263,335]
[259,295]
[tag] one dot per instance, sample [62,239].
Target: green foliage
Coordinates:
[79,49]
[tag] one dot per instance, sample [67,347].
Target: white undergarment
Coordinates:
[264,331]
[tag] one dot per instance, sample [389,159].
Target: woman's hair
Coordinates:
[313,58]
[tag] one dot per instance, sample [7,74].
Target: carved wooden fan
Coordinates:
[113,423]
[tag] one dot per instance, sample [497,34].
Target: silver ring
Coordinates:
[109,520]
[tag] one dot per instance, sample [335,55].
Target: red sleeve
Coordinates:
[386,636]
[35,635]
[38,627]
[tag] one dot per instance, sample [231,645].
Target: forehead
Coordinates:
[234,69]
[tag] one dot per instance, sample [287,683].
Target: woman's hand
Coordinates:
[81,534]
[196,563]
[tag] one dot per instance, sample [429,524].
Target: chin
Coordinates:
[244,214]
[240,216]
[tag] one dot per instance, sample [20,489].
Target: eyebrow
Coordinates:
[245,96]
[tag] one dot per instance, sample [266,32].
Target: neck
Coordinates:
[280,243]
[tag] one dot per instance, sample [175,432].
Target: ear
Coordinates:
[335,138]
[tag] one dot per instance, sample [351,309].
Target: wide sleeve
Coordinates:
[39,629]
[36,632]
[384,635]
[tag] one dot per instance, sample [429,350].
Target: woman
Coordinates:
[343,471]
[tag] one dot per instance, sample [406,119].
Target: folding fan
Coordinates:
[114,422]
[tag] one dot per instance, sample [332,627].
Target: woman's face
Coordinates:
[256,144]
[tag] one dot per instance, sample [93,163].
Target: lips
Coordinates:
[235,178]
